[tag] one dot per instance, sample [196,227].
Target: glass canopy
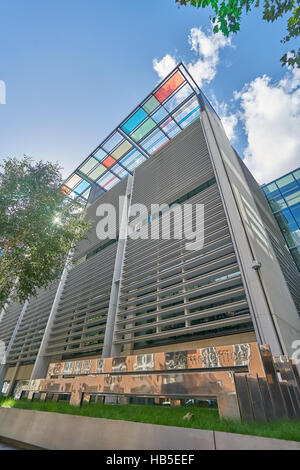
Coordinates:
[166,111]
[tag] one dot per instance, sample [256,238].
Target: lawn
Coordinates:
[204,418]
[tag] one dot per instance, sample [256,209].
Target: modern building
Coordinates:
[283,195]
[143,295]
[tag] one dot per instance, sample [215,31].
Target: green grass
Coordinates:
[170,416]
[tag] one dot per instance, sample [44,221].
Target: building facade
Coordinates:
[139,291]
[283,195]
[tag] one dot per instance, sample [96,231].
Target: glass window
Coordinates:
[178,98]
[97,172]
[109,161]
[169,87]
[118,170]
[154,141]
[269,189]
[81,187]
[187,113]
[89,165]
[123,148]
[108,180]
[65,190]
[100,154]
[112,142]
[86,193]
[293,198]
[286,180]
[150,105]
[132,160]
[134,121]
[170,127]
[75,179]
[288,227]
[143,130]
[295,210]
[297,175]
[159,115]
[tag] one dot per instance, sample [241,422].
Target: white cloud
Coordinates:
[206,47]
[229,119]
[271,116]
[164,66]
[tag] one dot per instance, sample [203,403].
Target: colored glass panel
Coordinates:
[100,154]
[86,193]
[111,143]
[297,175]
[285,181]
[143,130]
[132,160]
[97,172]
[65,190]
[169,87]
[121,150]
[186,112]
[118,170]
[170,127]
[75,179]
[159,115]
[134,121]
[109,161]
[89,165]
[150,105]
[108,180]
[81,187]
[154,141]
[178,98]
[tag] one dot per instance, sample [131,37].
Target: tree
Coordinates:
[38,227]
[228,14]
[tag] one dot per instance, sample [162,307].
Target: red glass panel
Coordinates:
[167,89]
[109,161]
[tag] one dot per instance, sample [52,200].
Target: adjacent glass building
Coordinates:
[127,296]
[283,195]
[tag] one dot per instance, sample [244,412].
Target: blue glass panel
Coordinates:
[159,115]
[178,98]
[81,187]
[134,121]
[108,180]
[132,160]
[288,227]
[100,155]
[295,210]
[112,142]
[154,141]
[118,170]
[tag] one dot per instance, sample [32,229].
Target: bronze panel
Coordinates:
[288,400]
[266,397]
[244,398]
[279,405]
[256,398]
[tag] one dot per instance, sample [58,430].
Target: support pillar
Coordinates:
[42,361]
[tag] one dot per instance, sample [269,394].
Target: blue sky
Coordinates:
[74,69]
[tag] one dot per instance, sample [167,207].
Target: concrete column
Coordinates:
[3,364]
[42,361]
[109,349]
